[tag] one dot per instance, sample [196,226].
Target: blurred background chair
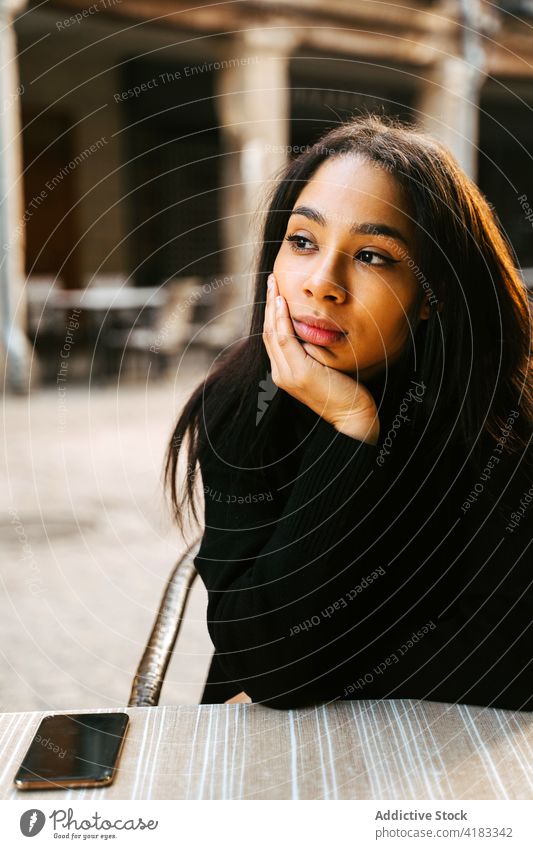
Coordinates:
[158,337]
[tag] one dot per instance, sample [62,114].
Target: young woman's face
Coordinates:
[348,258]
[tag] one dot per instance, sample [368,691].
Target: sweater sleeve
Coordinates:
[278,592]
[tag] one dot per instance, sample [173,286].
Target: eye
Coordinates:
[382,260]
[299,243]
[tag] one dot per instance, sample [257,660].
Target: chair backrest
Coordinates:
[175,322]
[150,674]
[40,291]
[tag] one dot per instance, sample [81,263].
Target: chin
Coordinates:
[323,355]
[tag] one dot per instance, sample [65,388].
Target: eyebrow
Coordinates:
[370,228]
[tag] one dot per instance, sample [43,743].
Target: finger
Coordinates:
[284,349]
[268,321]
[269,326]
[269,308]
[289,347]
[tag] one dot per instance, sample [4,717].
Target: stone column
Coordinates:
[449,109]
[449,105]
[253,102]
[15,351]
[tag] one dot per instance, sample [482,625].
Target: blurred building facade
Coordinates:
[140,139]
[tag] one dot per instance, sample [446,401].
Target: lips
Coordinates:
[318,331]
[323,323]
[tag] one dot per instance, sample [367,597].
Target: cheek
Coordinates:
[280,272]
[385,314]
[284,261]
[287,272]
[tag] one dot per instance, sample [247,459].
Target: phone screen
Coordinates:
[73,750]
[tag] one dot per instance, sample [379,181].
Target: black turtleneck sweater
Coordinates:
[368,571]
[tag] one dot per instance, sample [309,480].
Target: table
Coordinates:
[100,298]
[108,313]
[380,749]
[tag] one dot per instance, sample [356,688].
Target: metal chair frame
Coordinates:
[150,674]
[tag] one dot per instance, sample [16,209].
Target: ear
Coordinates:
[425,308]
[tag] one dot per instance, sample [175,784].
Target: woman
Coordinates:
[366,451]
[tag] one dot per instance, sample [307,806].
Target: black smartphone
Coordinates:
[73,750]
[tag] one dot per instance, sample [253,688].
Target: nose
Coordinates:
[325,281]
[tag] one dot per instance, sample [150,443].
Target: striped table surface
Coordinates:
[383,749]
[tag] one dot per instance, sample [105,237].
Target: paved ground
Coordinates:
[87,545]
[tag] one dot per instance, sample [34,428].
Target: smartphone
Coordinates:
[73,750]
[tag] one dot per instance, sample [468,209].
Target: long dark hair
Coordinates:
[473,352]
